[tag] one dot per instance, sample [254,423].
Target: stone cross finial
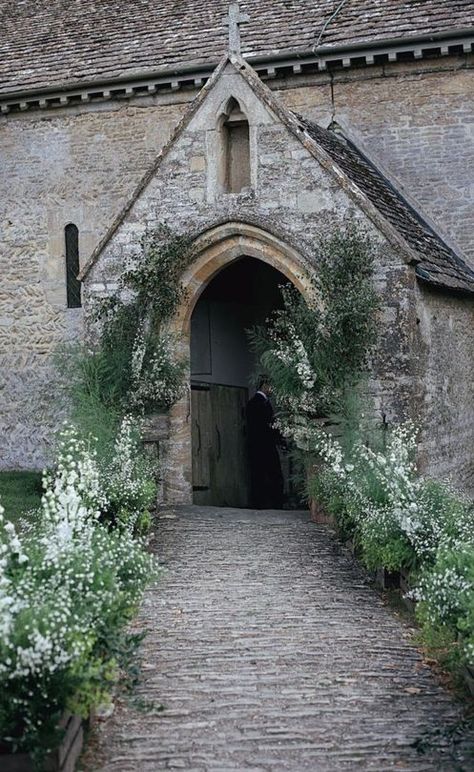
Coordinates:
[235,19]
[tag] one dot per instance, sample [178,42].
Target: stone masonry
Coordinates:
[446,350]
[80,164]
[269,651]
[416,120]
[293,196]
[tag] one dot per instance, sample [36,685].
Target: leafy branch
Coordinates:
[313,349]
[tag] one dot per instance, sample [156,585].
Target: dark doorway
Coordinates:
[239,297]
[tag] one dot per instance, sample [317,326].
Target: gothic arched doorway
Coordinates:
[215,251]
[239,297]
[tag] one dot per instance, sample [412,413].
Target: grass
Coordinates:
[20,492]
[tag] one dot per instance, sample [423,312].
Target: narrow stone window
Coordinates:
[236,155]
[73,285]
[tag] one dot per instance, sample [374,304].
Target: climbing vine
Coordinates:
[134,364]
[314,350]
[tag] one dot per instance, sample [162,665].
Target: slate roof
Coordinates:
[439,265]
[45,43]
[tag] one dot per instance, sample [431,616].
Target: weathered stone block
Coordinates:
[156,428]
[197,163]
[311,202]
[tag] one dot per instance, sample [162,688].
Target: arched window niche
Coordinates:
[73,285]
[235,155]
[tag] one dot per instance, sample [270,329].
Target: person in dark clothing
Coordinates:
[266,479]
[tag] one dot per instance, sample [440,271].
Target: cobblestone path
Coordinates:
[269,651]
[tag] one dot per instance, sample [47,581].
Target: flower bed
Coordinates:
[400,522]
[315,352]
[68,586]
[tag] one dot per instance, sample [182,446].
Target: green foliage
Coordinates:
[32,704]
[157,376]
[314,350]
[107,365]
[128,480]
[132,365]
[137,360]
[315,353]
[399,521]
[156,279]
[360,493]
[449,517]
[349,301]
[326,488]
[383,544]
[93,395]
[128,475]
[67,589]
[21,492]
[446,593]
[439,640]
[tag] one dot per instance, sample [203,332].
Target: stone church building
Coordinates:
[256,130]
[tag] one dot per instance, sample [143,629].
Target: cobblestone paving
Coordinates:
[269,651]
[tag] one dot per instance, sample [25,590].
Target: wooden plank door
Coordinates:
[201,417]
[230,468]
[220,468]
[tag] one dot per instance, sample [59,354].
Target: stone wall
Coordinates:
[294,198]
[81,164]
[446,346]
[416,120]
[59,167]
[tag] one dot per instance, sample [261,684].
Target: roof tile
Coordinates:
[50,43]
[438,263]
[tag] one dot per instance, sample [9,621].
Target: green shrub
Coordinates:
[129,481]
[326,488]
[313,350]
[66,591]
[21,493]
[445,592]
[382,542]
[134,364]
[315,353]
[131,363]
[400,521]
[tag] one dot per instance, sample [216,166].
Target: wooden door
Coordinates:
[201,442]
[220,468]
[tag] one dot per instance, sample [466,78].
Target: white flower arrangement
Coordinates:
[157,374]
[293,354]
[411,518]
[62,586]
[128,481]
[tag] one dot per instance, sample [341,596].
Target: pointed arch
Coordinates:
[232,106]
[223,244]
[215,249]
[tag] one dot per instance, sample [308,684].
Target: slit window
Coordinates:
[73,285]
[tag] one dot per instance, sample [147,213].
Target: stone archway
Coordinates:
[214,250]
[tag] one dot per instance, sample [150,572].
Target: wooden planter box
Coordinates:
[387,580]
[61,760]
